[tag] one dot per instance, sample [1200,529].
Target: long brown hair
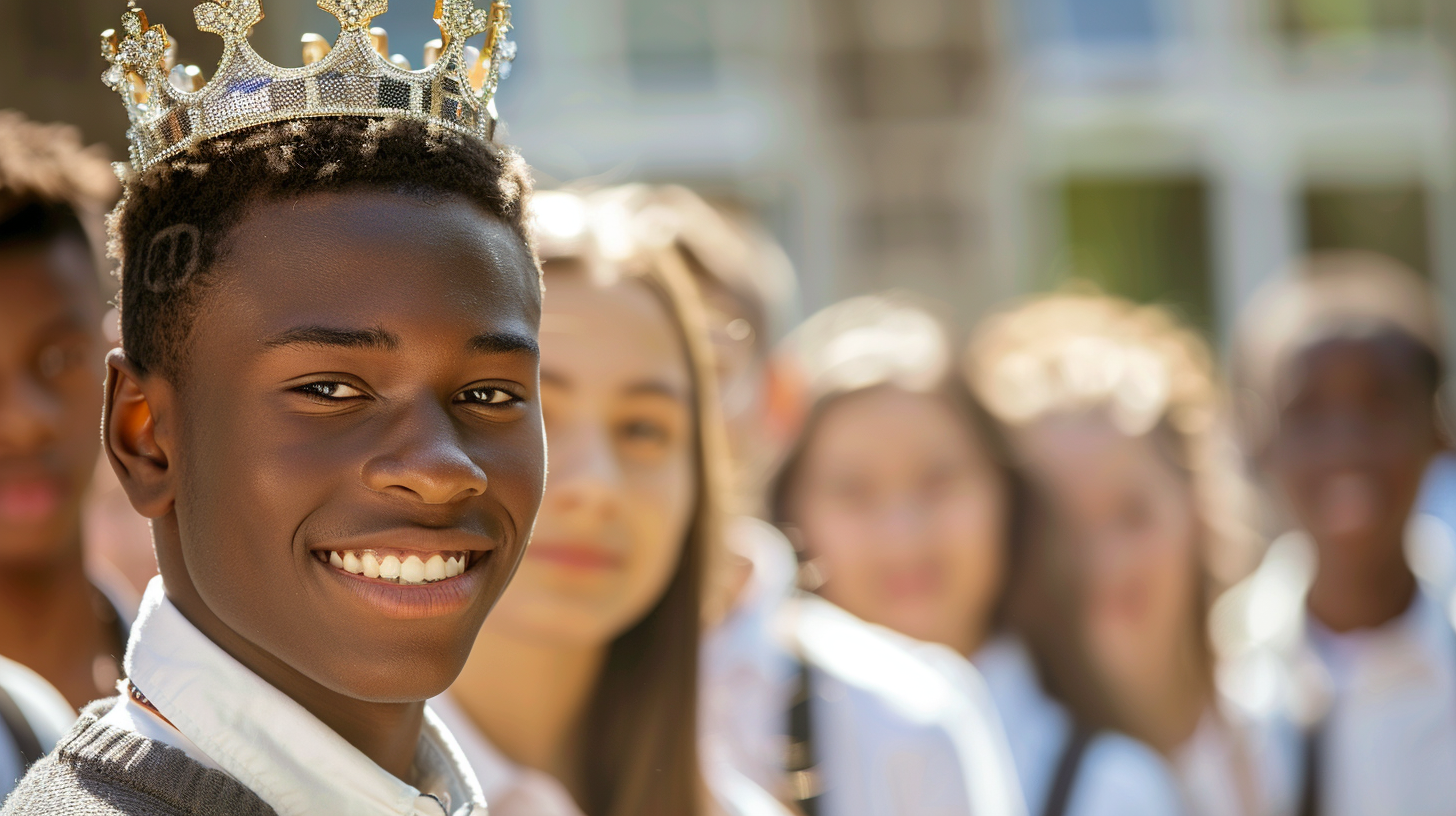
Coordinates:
[1078,351]
[830,378]
[1045,620]
[638,739]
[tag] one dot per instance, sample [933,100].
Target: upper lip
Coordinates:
[411,539]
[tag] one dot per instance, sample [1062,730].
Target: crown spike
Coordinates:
[400,61]
[379,38]
[354,15]
[315,48]
[432,51]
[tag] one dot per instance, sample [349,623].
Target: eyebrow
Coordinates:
[329,336]
[377,338]
[504,343]
[641,388]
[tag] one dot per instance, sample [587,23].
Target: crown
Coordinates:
[171,110]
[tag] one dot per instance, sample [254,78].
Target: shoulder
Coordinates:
[912,709]
[1120,775]
[98,770]
[45,710]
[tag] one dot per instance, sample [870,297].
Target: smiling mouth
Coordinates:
[397,567]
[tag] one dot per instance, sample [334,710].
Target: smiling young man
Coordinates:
[326,404]
[1341,626]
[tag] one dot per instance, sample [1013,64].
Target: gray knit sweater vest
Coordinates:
[99,770]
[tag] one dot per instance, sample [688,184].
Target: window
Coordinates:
[1143,239]
[1391,220]
[1095,23]
[1350,19]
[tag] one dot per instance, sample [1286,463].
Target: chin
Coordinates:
[396,680]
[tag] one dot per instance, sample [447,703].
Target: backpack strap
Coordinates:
[21,733]
[1069,765]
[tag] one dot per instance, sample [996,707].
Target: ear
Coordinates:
[138,452]
[785,402]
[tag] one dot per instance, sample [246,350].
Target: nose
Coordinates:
[583,475]
[424,461]
[29,414]
[902,521]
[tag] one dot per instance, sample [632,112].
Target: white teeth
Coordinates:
[389,568]
[412,571]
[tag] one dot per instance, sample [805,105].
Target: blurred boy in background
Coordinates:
[53,619]
[1342,367]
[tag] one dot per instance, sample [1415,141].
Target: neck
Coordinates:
[528,697]
[387,733]
[49,622]
[1346,596]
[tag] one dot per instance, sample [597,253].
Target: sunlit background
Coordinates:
[1172,150]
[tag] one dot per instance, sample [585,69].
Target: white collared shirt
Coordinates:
[226,717]
[900,727]
[1385,697]
[1118,776]
[515,790]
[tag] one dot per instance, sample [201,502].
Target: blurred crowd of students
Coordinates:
[1062,563]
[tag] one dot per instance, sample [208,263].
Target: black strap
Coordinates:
[1309,788]
[20,731]
[800,762]
[1068,767]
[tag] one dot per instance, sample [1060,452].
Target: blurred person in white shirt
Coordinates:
[581,696]
[55,617]
[1341,365]
[840,717]
[910,512]
[1116,411]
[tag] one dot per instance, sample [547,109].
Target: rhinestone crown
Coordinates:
[171,109]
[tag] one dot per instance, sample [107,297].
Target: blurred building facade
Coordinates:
[1173,150]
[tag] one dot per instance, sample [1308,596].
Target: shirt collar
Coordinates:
[270,743]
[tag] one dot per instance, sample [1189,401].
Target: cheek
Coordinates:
[658,511]
[834,534]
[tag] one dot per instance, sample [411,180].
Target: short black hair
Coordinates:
[51,183]
[173,219]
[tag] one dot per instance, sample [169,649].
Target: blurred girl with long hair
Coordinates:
[580,697]
[909,510]
[1115,410]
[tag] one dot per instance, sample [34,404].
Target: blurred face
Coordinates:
[355,456]
[1357,429]
[51,367]
[905,516]
[1134,520]
[617,397]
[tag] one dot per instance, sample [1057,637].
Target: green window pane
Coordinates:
[1143,239]
[1391,220]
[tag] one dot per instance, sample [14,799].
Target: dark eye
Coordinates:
[642,430]
[56,359]
[329,391]
[486,396]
